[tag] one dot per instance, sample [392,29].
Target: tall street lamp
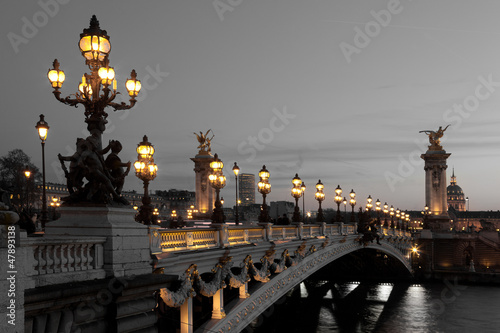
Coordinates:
[352,201]
[43,129]
[296,193]
[97,90]
[398,215]
[145,170]
[27,174]
[320,196]
[54,204]
[345,208]
[386,211]
[264,189]
[236,170]
[338,200]
[391,212]
[303,189]
[377,209]
[369,204]
[426,214]
[217,181]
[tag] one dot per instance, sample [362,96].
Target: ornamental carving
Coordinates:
[280,266]
[237,281]
[220,271]
[184,292]
[262,274]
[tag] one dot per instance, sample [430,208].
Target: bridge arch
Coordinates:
[311,255]
[266,294]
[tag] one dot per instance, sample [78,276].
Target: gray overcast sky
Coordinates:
[331,90]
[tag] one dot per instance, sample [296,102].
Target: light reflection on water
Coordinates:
[440,307]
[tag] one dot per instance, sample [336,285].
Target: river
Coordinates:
[445,306]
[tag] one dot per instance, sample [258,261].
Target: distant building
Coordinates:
[456,198]
[246,189]
[177,199]
[278,208]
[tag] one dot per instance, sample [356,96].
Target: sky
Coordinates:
[331,90]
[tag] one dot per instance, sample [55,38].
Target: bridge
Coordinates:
[77,283]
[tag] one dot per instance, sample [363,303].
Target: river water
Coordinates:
[445,306]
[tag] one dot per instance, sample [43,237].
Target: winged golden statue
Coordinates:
[204,140]
[435,137]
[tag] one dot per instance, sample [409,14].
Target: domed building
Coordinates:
[456,198]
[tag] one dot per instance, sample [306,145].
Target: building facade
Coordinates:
[246,189]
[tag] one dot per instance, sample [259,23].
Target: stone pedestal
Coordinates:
[126,250]
[205,194]
[435,188]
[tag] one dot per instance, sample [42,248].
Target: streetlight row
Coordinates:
[218,181]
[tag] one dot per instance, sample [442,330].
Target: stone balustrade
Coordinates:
[222,236]
[64,259]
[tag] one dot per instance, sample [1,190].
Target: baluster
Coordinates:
[64,258]
[49,255]
[36,262]
[91,254]
[78,256]
[84,257]
[71,258]
[41,260]
[57,258]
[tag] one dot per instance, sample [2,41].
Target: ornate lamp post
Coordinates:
[377,209]
[303,189]
[296,193]
[320,196]
[43,129]
[352,201]
[27,174]
[338,200]
[156,214]
[236,171]
[345,208]
[218,181]
[386,211]
[369,204]
[145,170]
[391,212]
[398,215]
[426,214]
[264,189]
[54,204]
[94,91]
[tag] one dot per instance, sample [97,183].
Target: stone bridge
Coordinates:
[279,257]
[100,271]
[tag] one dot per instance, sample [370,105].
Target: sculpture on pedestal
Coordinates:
[435,138]
[204,141]
[105,177]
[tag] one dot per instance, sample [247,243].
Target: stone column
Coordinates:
[218,306]
[187,316]
[244,291]
[205,194]
[435,187]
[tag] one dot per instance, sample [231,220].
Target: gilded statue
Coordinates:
[205,141]
[435,138]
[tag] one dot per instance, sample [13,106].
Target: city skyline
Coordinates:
[333,91]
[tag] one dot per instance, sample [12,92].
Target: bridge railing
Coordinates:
[58,260]
[225,235]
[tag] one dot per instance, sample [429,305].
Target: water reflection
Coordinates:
[401,307]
